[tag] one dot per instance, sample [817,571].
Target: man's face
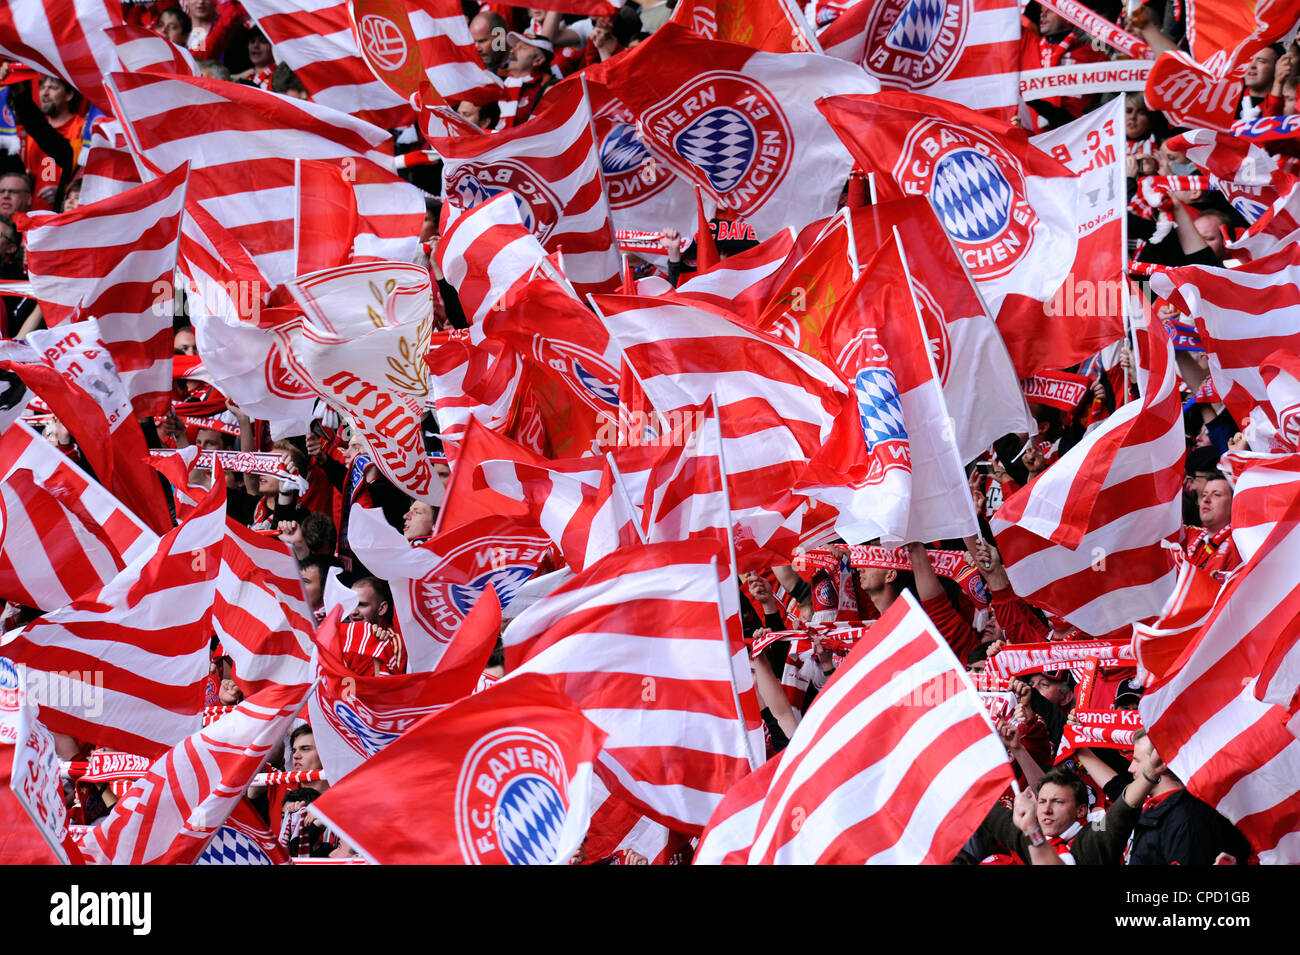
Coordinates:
[169,25]
[480,28]
[1216,505]
[1208,228]
[54,96]
[1259,74]
[305,756]
[314,587]
[1050,24]
[15,195]
[209,440]
[524,59]
[1057,809]
[1056,692]
[203,10]
[183,343]
[419,521]
[873,579]
[443,470]
[370,609]
[259,51]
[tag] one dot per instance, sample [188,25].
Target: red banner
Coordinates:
[1057,389]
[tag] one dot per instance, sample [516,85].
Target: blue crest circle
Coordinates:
[971,195]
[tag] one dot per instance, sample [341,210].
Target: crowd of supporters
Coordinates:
[1139,811]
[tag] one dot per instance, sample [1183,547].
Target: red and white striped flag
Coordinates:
[109,167]
[744,130]
[64,38]
[741,283]
[686,492]
[138,48]
[1250,179]
[578,502]
[485,250]
[966,53]
[500,778]
[1242,316]
[168,817]
[242,163]
[777,407]
[260,614]
[411,44]
[1086,539]
[315,39]
[896,763]
[64,535]
[125,666]
[639,641]
[551,165]
[1207,720]
[113,260]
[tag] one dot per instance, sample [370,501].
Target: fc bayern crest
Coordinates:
[470,184]
[731,133]
[512,798]
[230,846]
[912,44]
[936,330]
[284,376]
[440,605]
[623,158]
[978,192]
[881,411]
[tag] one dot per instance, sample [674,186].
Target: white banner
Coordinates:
[1084,79]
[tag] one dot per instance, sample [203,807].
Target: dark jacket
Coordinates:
[1182,830]
[1100,844]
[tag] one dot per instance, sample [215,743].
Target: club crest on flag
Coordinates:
[880,407]
[359,726]
[471,184]
[440,606]
[977,190]
[230,846]
[936,330]
[284,376]
[604,392]
[511,799]
[622,158]
[382,41]
[914,41]
[743,148]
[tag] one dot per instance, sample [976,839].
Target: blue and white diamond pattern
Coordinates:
[916,27]
[603,392]
[721,143]
[529,819]
[621,151]
[879,406]
[971,195]
[506,580]
[232,847]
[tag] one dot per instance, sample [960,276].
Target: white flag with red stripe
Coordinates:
[741,283]
[1207,720]
[315,39]
[413,44]
[739,123]
[260,614]
[1242,316]
[242,169]
[113,260]
[895,764]
[139,48]
[778,408]
[168,817]
[125,666]
[966,52]
[638,640]
[485,250]
[64,38]
[1086,539]
[64,534]
[550,163]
